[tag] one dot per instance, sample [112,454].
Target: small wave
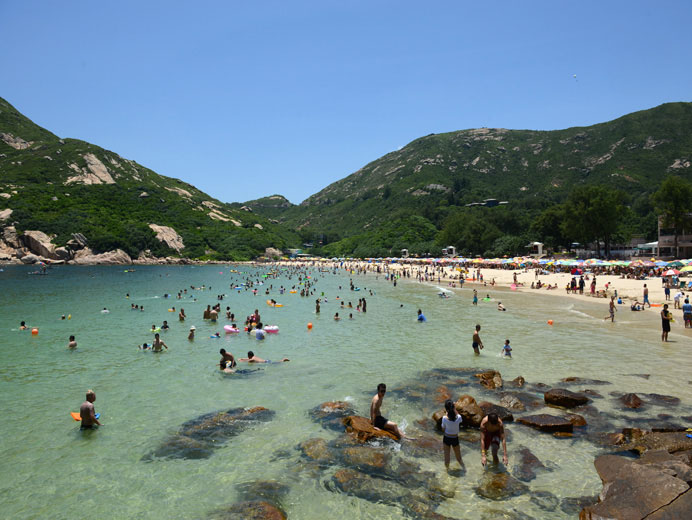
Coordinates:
[572,310]
[348,399]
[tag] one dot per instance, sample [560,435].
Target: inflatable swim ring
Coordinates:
[157,329]
[230,330]
[77,417]
[271,329]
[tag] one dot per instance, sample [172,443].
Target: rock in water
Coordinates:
[564,398]
[257,510]
[631,401]
[471,413]
[500,486]
[197,438]
[501,411]
[528,465]
[547,423]
[361,429]
[330,414]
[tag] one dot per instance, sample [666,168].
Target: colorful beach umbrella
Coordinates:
[671,272]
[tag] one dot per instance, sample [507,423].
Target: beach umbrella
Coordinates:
[675,263]
[686,269]
[661,263]
[671,272]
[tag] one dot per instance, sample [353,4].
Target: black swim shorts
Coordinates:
[450,441]
[380,422]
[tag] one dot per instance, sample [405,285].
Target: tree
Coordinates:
[593,213]
[673,200]
[548,228]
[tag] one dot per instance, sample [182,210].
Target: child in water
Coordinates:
[507,349]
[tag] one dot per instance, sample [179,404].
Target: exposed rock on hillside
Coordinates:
[168,236]
[95,172]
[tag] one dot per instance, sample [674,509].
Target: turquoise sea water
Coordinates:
[51,469]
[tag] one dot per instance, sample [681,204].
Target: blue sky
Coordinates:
[247,99]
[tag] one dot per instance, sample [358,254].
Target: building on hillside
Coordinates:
[535,249]
[666,240]
[449,252]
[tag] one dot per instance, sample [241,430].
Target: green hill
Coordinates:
[436,176]
[66,186]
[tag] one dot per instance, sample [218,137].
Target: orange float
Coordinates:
[550,322]
[309,326]
[34,331]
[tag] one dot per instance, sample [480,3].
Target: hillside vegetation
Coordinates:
[66,186]
[436,176]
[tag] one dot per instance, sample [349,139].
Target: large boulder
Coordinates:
[547,423]
[362,429]
[9,235]
[636,489]
[29,259]
[471,413]
[564,398]
[117,257]
[511,401]
[39,243]
[331,413]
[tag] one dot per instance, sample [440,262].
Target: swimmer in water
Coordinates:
[105,311]
[191,336]
[251,358]
[500,307]
[22,326]
[72,343]
[145,346]
[507,350]
[156,346]
[87,412]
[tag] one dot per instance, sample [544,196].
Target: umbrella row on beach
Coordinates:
[523,261]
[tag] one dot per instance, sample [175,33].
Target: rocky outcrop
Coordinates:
[361,429]
[490,379]
[655,487]
[39,243]
[5,214]
[564,398]
[95,172]
[86,257]
[271,252]
[641,442]
[9,236]
[29,259]
[168,236]
[547,423]
[15,142]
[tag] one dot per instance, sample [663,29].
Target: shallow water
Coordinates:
[52,469]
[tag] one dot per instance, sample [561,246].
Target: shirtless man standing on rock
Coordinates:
[376,418]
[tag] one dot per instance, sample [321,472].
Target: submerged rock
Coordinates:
[582,381]
[511,402]
[197,438]
[254,510]
[269,490]
[331,413]
[631,401]
[500,486]
[317,450]
[528,465]
[564,398]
